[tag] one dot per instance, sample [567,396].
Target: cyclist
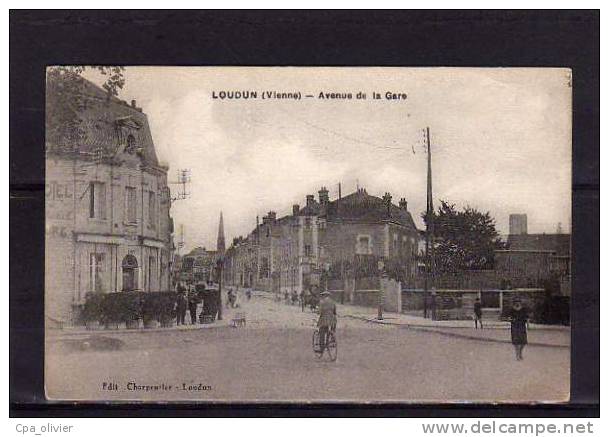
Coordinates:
[327,318]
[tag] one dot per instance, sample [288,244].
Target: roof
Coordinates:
[557,243]
[84,118]
[361,206]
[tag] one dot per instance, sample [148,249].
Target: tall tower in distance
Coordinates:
[518,224]
[221,245]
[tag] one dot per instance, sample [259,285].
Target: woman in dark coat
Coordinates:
[518,320]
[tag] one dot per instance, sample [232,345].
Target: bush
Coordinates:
[92,310]
[159,306]
[128,306]
[119,307]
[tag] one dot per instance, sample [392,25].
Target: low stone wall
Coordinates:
[459,304]
[366,298]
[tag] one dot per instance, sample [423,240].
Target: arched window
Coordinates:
[130,273]
[130,148]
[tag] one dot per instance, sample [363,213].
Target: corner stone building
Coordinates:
[326,243]
[108,227]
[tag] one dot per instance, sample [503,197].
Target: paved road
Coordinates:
[271,359]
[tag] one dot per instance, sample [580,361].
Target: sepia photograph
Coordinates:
[308,234]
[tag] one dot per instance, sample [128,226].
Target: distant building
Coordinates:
[518,224]
[325,240]
[108,226]
[198,265]
[534,259]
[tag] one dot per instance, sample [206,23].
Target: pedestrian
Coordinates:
[302,300]
[518,324]
[181,308]
[229,297]
[248,293]
[193,302]
[478,313]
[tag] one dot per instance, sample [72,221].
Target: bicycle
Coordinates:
[331,344]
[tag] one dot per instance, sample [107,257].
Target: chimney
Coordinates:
[310,199]
[323,195]
[272,216]
[133,104]
[403,204]
[387,201]
[295,209]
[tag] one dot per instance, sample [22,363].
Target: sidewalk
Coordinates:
[494,330]
[81,330]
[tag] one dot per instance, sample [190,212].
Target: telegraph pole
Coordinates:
[181,242]
[429,229]
[183,181]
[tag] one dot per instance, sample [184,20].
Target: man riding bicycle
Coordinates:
[327,318]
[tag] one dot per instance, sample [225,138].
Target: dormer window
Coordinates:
[130,148]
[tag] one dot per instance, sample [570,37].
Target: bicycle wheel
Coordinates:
[332,346]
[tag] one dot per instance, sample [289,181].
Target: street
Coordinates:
[271,359]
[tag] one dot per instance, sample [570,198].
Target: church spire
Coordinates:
[221,245]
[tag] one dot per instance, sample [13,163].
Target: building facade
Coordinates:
[534,259]
[325,241]
[108,226]
[198,265]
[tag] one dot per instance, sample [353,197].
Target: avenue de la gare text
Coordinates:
[298,95]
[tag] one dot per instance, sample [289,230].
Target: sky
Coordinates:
[500,139]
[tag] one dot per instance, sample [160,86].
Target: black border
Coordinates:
[378,38]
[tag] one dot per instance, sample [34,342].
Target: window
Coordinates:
[307,250]
[152,216]
[97,200]
[264,268]
[363,246]
[151,272]
[130,148]
[130,273]
[96,272]
[131,204]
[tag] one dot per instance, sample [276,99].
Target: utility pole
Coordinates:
[429,230]
[181,242]
[183,181]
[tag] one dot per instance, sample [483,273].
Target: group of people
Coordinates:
[188,300]
[304,298]
[189,296]
[518,318]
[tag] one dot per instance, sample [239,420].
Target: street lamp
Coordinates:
[381,269]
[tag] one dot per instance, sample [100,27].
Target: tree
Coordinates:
[113,84]
[463,240]
[66,99]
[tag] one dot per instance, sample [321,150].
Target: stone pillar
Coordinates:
[392,295]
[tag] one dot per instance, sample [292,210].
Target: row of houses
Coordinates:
[328,243]
[324,240]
